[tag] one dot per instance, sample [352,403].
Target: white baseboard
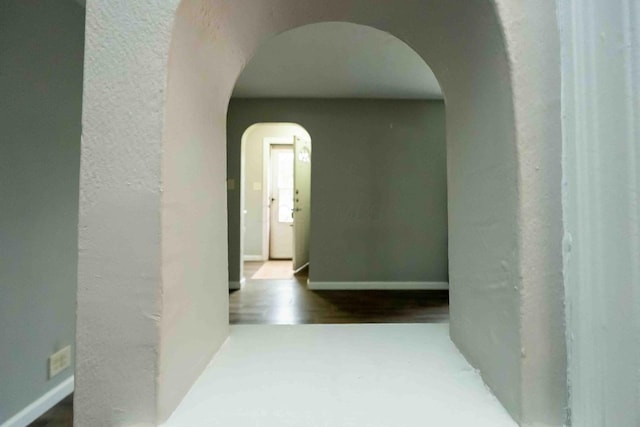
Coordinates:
[253,258]
[234,286]
[296,271]
[385,286]
[41,405]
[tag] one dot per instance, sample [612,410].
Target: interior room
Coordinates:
[446,233]
[378,124]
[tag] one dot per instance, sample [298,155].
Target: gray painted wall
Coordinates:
[41,56]
[378,178]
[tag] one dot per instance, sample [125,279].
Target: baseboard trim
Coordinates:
[384,286]
[301,268]
[234,286]
[41,405]
[253,258]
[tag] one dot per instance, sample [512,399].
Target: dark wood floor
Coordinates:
[290,302]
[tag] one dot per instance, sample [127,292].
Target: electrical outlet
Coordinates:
[59,361]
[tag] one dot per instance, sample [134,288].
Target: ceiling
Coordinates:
[337,60]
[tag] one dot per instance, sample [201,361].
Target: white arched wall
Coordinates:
[152,297]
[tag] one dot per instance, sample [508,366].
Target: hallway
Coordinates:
[393,364]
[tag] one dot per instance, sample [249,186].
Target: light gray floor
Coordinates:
[381,375]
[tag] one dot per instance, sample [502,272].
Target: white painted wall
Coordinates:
[119,260]
[254,203]
[531,32]
[601,119]
[195,315]
[41,54]
[152,301]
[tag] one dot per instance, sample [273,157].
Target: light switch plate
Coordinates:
[59,361]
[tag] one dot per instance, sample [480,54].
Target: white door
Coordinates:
[281,202]
[302,202]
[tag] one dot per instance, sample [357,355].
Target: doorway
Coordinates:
[274,158]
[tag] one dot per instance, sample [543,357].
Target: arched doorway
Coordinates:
[249,207]
[380,209]
[503,132]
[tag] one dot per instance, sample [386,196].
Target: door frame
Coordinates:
[267,142]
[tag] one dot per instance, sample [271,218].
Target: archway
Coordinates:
[503,130]
[377,111]
[252,244]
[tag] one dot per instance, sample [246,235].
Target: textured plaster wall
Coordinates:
[152,301]
[41,47]
[119,260]
[531,33]
[379,193]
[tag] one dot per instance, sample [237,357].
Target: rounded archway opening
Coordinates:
[254,215]
[378,112]
[378,212]
[169,160]
[485,237]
